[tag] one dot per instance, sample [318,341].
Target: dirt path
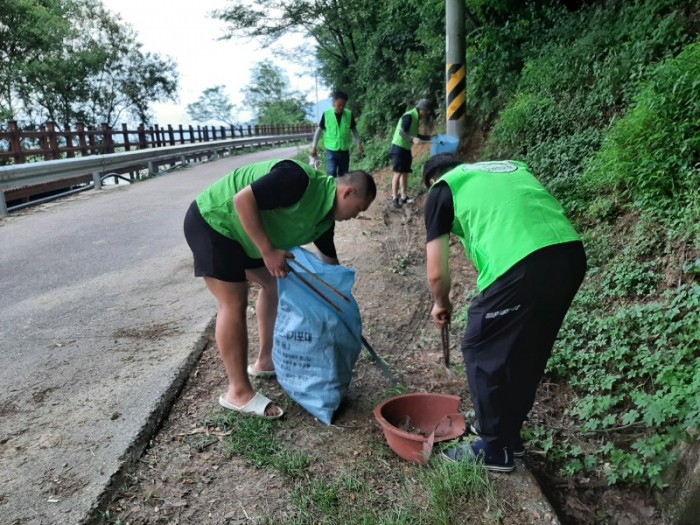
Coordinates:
[188,476]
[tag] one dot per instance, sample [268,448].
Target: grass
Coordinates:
[375,490]
[437,495]
[455,486]
[255,440]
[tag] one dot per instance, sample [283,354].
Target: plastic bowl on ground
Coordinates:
[412,423]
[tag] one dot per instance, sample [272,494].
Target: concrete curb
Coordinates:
[151,427]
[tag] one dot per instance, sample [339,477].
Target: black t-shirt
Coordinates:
[284,186]
[439,211]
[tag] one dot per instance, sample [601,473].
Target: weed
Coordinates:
[200,443]
[451,486]
[636,370]
[110,518]
[400,264]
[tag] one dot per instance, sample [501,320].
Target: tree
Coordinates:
[72,60]
[382,53]
[28,28]
[213,105]
[270,98]
[336,26]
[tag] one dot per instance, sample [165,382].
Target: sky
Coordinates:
[185,32]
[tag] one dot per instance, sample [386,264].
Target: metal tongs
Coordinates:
[445,335]
[319,280]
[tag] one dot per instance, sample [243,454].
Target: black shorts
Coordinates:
[215,255]
[401,160]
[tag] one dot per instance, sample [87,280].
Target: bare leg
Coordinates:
[232,339]
[266,313]
[404,184]
[395,185]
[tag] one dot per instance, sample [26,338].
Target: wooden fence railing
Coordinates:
[18,146]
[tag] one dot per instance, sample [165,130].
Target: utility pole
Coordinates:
[455,51]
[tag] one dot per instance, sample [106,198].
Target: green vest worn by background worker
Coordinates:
[503,214]
[398,139]
[296,225]
[337,137]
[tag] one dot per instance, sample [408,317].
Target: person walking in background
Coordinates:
[239,230]
[530,262]
[338,124]
[405,135]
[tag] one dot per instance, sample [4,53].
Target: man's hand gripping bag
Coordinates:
[315,347]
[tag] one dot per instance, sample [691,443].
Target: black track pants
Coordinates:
[511,329]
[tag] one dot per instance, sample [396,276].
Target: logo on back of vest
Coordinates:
[491,167]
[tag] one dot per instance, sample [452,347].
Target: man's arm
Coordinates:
[439,215]
[326,246]
[404,131]
[358,141]
[439,279]
[317,135]
[356,135]
[247,208]
[284,186]
[405,127]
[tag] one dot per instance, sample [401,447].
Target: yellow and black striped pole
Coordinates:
[456,68]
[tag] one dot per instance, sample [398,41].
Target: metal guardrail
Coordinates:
[22,175]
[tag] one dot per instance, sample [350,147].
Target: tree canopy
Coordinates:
[379,52]
[73,61]
[213,105]
[271,99]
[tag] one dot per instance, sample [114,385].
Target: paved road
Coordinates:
[100,320]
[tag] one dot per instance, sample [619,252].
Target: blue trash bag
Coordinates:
[315,347]
[444,144]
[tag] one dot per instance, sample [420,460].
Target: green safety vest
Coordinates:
[398,139]
[286,228]
[503,214]
[337,137]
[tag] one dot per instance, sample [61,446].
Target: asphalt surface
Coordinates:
[100,321]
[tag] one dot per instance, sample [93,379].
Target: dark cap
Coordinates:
[425,104]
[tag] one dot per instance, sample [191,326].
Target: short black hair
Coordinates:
[340,94]
[438,165]
[363,182]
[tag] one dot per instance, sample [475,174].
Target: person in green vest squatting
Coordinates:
[530,263]
[239,230]
[338,124]
[405,135]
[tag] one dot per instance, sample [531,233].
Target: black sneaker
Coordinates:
[406,200]
[395,203]
[516,444]
[500,461]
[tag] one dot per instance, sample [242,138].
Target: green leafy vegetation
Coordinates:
[605,115]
